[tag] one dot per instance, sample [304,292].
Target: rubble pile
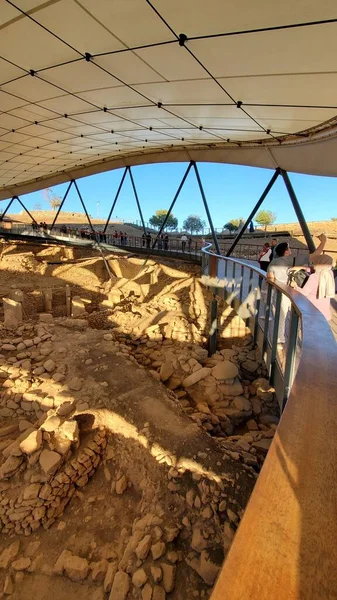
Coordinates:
[127,453]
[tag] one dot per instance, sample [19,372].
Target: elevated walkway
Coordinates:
[74,241]
[285,546]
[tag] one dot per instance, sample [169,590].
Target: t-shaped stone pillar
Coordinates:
[12,313]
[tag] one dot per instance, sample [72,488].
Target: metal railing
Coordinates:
[285,546]
[268,311]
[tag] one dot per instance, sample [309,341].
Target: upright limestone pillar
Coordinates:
[12,312]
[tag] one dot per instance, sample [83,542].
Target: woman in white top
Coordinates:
[264,257]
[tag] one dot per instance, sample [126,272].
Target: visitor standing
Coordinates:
[264,257]
[166,242]
[278,271]
[273,245]
[148,239]
[183,240]
[320,286]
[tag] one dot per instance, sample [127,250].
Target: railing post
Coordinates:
[275,335]
[290,360]
[213,327]
[266,321]
[213,266]
[258,303]
[233,283]
[241,282]
[250,285]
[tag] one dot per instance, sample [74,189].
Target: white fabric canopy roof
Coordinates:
[92,85]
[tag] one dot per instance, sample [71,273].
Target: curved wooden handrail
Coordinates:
[286,544]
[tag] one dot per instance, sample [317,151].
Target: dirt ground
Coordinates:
[156,453]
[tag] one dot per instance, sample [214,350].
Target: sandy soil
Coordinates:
[181,456]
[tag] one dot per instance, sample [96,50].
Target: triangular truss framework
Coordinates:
[191,165]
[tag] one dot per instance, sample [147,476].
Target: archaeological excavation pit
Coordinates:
[128,454]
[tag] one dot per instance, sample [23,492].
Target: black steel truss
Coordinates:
[23,206]
[192,164]
[295,203]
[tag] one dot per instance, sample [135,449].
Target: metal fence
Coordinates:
[268,311]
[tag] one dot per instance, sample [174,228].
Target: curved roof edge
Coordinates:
[312,157]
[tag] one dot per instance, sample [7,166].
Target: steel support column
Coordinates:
[115,200]
[26,209]
[254,211]
[60,207]
[215,239]
[137,199]
[298,211]
[172,204]
[84,207]
[7,208]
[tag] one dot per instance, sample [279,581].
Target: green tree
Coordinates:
[265,218]
[194,224]
[158,219]
[233,224]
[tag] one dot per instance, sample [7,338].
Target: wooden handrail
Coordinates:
[286,545]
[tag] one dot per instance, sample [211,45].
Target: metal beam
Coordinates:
[115,200]
[84,208]
[137,199]
[60,207]
[7,208]
[172,204]
[298,211]
[254,211]
[26,209]
[215,239]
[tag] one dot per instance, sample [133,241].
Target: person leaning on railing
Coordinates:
[278,271]
[320,286]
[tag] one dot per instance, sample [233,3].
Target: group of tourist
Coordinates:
[162,241]
[120,238]
[316,283]
[42,227]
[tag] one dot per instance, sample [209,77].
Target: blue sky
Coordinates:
[231,192]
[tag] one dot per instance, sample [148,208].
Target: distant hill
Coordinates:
[49,215]
[316,227]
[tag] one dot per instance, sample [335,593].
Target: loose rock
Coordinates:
[76,568]
[120,587]
[49,461]
[225,370]
[32,443]
[139,578]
